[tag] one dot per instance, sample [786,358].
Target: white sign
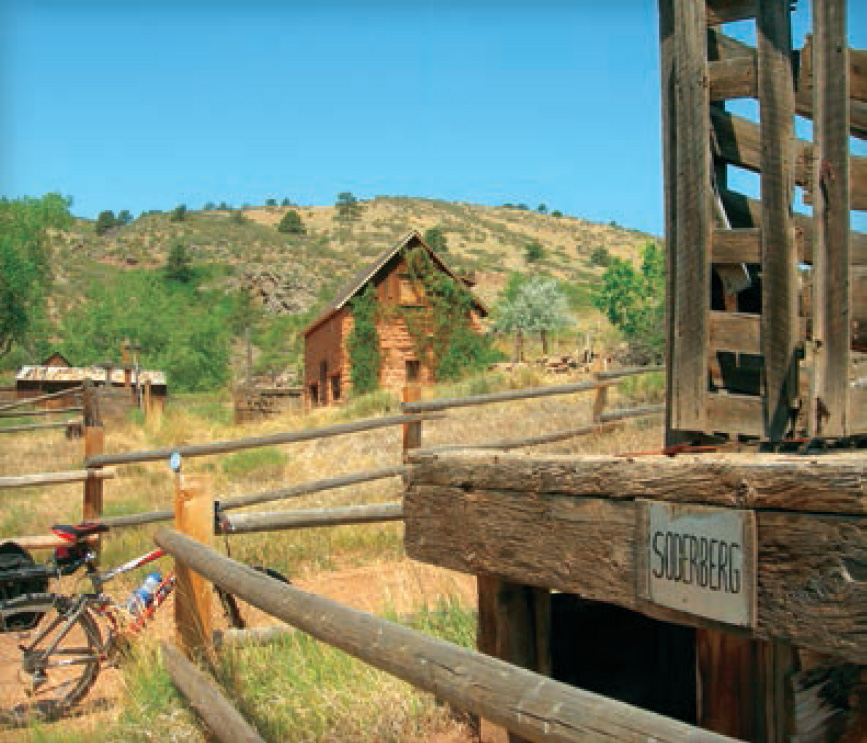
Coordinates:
[698,559]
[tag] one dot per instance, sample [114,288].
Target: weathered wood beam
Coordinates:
[522,701]
[206,697]
[740,143]
[732,78]
[223,447]
[689,295]
[55,478]
[728,11]
[643,411]
[807,592]
[745,213]
[822,484]
[727,53]
[250,523]
[251,636]
[832,287]
[735,414]
[427,406]
[742,245]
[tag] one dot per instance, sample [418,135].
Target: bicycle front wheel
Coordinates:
[50,653]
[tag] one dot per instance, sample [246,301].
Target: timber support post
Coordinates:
[194,517]
[600,402]
[94,443]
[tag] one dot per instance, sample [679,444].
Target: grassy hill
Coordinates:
[486,241]
[292,276]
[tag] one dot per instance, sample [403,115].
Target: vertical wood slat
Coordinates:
[832,295]
[690,252]
[669,166]
[779,262]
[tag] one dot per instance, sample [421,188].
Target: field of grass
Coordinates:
[296,689]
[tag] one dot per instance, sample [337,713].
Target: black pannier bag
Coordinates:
[18,578]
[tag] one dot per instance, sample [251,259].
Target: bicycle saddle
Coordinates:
[73,533]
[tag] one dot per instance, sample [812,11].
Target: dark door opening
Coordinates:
[413,371]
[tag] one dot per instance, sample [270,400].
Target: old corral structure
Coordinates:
[723,589]
[327,363]
[119,387]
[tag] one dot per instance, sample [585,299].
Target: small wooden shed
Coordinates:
[327,365]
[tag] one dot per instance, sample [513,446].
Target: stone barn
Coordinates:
[327,363]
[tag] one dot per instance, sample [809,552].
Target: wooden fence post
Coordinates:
[194,516]
[411,431]
[94,443]
[600,402]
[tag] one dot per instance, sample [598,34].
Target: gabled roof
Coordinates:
[357,283]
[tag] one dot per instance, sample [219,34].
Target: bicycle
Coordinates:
[52,647]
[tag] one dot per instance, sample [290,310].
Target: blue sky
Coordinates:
[145,105]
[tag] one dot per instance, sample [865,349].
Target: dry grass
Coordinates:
[323,693]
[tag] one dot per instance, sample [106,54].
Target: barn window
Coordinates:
[410,293]
[314,394]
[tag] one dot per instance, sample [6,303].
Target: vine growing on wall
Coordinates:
[440,330]
[362,343]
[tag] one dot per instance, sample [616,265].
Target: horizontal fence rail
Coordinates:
[525,702]
[630,371]
[55,478]
[39,426]
[249,523]
[47,411]
[506,444]
[426,406]
[223,447]
[641,412]
[33,400]
[267,496]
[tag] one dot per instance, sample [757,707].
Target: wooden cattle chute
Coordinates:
[766,356]
[535,707]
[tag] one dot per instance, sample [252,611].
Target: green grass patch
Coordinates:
[265,461]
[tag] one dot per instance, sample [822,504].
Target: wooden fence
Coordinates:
[555,712]
[73,427]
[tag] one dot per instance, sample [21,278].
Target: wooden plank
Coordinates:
[40,398]
[643,411]
[728,11]
[55,478]
[525,702]
[668,105]
[739,143]
[194,517]
[204,696]
[780,290]
[831,483]
[735,414]
[858,409]
[249,523]
[427,406]
[856,69]
[746,213]
[734,331]
[526,441]
[732,78]
[807,592]
[832,290]
[737,246]
[94,443]
[223,447]
[630,371]
[690,296]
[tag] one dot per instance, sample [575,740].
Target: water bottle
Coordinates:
[142,597]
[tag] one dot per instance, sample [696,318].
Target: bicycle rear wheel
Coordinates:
[49,656]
